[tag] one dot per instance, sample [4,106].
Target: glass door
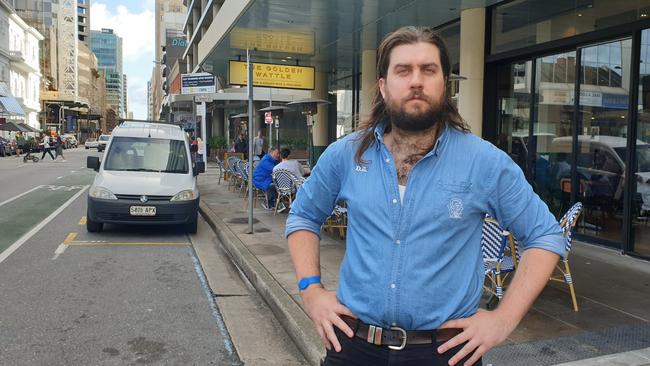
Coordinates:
[641,198]
[552,129]
[602,137]
[514,96]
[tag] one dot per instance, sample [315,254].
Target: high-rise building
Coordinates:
[149,102]
[83,20]
[107,46]
[125,95]
[170,17]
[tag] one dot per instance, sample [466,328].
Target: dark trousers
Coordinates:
[271,194]
[47,151]
[357,352]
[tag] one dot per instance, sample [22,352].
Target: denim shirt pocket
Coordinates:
[454,198]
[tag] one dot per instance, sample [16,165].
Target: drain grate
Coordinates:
[566,349]
[241,220]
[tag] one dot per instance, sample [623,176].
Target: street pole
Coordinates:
[270,124]
[250,141]
[203,136]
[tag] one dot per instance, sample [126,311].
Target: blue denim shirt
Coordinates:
[418,263]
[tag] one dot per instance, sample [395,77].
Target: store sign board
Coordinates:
[273,75]
[198,83]
[273,40]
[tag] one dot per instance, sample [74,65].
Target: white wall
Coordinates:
[24,77]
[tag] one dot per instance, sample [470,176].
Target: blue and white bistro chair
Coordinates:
[568,223]
[232,173]
[285,185]
[500,255]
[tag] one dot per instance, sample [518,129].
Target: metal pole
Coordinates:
[204,136]
[250,141]
[270,124]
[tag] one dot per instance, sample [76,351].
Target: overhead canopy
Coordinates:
[11,126]
[10,106]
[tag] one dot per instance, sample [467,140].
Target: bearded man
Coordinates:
[417,186]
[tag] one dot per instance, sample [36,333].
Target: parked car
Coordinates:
[91,143]
[70,141]
[146,176]
[102,141]
[6,147]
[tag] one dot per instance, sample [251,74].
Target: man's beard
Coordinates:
[418,120]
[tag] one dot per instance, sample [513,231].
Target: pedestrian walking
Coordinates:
[46,147]
[258,145]
[241,145]
[59,148]
[417,185]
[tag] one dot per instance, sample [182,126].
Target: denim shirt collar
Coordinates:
[437,148]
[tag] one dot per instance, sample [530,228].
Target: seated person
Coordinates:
[289,164]
[262,177]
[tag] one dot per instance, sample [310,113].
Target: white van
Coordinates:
[146,177]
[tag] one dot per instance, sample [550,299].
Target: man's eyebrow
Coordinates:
[408,66]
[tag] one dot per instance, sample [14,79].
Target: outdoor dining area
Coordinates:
[235,170]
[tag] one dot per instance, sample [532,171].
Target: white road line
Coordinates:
[20,195]
[62,247]
[73,171]
[59,177]
[38,227]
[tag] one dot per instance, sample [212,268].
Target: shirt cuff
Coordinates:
[296,223]
[555,243]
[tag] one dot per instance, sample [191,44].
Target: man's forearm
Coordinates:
[304,247]
[532,274]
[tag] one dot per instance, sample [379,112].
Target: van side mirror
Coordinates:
[93,163]
[199,167]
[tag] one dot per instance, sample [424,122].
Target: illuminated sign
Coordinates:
[198,83]
[273,40]
[273,75]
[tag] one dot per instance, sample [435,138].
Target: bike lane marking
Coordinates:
[20,195]
[13,247]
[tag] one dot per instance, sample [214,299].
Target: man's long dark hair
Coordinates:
[378,113]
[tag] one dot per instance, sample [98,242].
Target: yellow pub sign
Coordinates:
[273,75]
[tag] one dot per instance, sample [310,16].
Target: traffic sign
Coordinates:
[268,118]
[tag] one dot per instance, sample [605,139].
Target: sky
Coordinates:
[133,20]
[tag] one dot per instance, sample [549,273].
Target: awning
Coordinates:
[10,106]
[12,126]
[28,127]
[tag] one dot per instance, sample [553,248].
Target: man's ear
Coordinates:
[382,84]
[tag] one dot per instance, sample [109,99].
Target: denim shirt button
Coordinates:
[394,200]
[398,242]
[387,160]
[392,285]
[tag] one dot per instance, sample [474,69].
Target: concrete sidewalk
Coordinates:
[613,291]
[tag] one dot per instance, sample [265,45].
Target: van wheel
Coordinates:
[94,226]
[191,226]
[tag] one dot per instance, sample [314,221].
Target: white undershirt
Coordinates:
[402,190]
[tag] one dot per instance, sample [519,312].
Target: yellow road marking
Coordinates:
[68,239]
[100,244]
[82,221]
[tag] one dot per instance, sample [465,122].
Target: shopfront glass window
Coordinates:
[641,198]
[602,140]
[514,81]
[552,129]
[525,23]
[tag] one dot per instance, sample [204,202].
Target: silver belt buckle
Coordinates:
[401,346]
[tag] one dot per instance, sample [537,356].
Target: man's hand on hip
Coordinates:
[325,311]
[481,331]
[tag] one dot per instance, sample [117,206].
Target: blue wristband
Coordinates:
[306,281]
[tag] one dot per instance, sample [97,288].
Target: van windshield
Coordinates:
[104,138]
[147,155]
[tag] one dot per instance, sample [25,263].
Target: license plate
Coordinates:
[142,211]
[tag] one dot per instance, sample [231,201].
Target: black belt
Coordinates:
[397,338]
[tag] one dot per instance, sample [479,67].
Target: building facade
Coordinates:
[560,86]
[170,16]
[83,21]
[24,68]
[107,46]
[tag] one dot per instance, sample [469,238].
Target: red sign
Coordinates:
[268,118]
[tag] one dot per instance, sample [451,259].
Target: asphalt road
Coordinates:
[128,295]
